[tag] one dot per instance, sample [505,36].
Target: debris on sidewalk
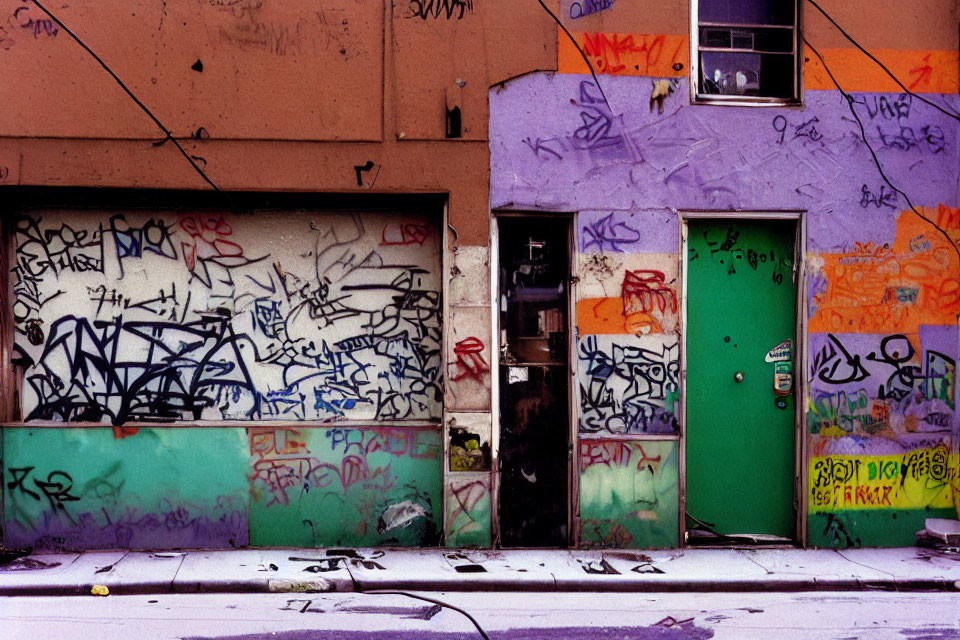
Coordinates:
[27,564]
[300,586]
[932,565]
[941,535]
[10,555]
[947,531]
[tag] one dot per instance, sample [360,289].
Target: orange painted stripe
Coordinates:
[668,56]
[892,289]
[921,71]
[600,316]
[606,315]
[628,54]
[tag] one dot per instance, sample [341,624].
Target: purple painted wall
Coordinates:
[880,278]
[556,146]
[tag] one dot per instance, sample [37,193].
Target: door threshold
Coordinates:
[698,538]
[558,548]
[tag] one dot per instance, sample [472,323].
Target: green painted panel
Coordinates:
[345,486]
[877,528]
[468,511]
[629,496]
[741,302]
[157,488]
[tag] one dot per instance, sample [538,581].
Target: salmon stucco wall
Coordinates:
[883,283]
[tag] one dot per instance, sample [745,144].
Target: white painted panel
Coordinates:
[125,316]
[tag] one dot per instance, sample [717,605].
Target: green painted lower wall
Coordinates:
[879,528]
[353,487]
[629,495]
[72,488]
[161,488]
[98,488]
[467,511]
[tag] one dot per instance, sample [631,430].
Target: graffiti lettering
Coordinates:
[917,479]
[403,234]
[828,362]
[19,476]
[607,235]
[341,332]
[435,9]
[928,138]
[644,291]
[630,387]
[887,108]
[612,52]
[881,199]
[581,8]
[470,362]
[806,129]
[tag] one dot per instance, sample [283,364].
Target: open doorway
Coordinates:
[534,377]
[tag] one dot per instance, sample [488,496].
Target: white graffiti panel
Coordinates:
[629,384]
[132,316]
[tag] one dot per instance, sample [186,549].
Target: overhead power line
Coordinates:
[863,135]
[952,114]
[582,54]
[168,135]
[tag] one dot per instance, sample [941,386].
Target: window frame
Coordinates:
[696,97]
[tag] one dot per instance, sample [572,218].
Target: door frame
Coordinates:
[573,506]
[799,217]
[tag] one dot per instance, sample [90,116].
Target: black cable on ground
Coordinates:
[582,54]
[879,64]
[143,107]
[863,135]
[433,601]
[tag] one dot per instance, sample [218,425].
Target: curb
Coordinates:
[321,585]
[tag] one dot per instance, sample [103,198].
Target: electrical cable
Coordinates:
[143,107]
[952,114]
[577,45]
[433,601]
[863,134]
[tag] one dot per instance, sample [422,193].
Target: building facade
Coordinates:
[588,274]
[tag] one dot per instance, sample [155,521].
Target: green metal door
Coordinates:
[741,306]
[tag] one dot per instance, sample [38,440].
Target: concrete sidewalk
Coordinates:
[318,570]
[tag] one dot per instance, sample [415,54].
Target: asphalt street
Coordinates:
[514,616]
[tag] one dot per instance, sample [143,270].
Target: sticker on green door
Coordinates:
[740,429]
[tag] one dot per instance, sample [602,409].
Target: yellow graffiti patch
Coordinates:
[911,480]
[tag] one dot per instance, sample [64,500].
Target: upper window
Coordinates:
[745,51]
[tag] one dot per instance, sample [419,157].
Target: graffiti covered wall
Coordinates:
[628,374]
[629,384]
[126,318]
[467,510]
[883,288]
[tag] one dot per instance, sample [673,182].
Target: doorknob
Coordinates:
[738,376]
